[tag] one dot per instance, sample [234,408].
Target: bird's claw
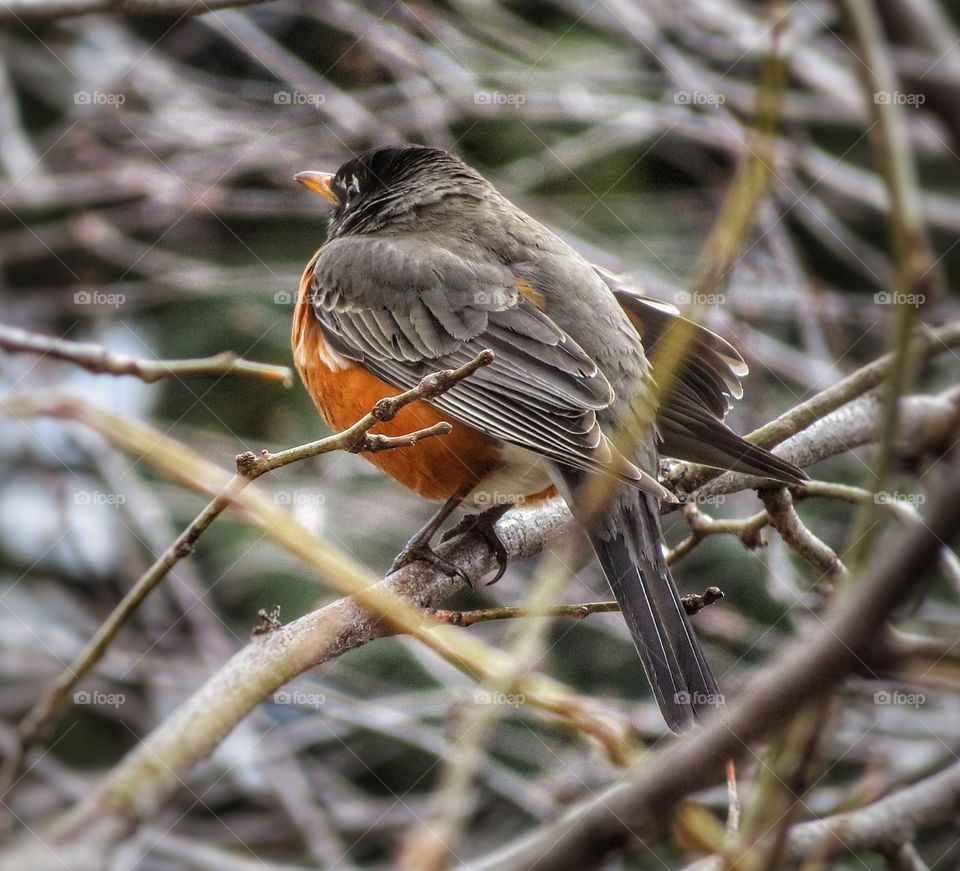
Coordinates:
[416,551]
[485,524]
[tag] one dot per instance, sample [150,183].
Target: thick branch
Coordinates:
[626,812]
[136,788]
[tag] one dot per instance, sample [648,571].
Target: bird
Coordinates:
[424,265]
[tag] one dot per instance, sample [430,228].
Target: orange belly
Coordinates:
[343,391]
[436,468]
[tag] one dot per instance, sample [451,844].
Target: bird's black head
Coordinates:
[384,185]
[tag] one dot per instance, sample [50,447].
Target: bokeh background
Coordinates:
[148,204]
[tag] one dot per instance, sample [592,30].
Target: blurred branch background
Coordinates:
[148,206]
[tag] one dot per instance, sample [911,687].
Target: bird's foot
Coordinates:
[419,549]
[484,523]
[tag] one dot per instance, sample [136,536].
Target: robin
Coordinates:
[424,266]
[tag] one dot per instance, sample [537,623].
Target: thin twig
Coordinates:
[693,603]
[733,799]
[96,358]
[703,526]
[900,506]
[51,10]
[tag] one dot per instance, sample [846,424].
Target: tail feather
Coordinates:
[689,433]
[627,543]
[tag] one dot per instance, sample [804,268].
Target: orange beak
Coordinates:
[319,183]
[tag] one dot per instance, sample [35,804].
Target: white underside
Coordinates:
[519,473]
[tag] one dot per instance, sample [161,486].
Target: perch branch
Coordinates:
[137,786]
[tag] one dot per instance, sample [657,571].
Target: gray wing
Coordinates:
[403,308]
[712,368]
[707,380]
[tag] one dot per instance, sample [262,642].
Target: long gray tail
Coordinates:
[627,539]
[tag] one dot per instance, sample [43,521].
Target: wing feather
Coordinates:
[406,307]
[692,409]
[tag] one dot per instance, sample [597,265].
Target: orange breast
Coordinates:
[344,391]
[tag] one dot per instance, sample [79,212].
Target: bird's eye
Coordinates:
[353,191]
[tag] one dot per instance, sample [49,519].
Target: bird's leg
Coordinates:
[486,524]
[418,547]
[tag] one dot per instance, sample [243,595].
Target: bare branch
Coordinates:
[50,10]
[146,777]
[693,603]
[98,359]
[784,518]
[702,526]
